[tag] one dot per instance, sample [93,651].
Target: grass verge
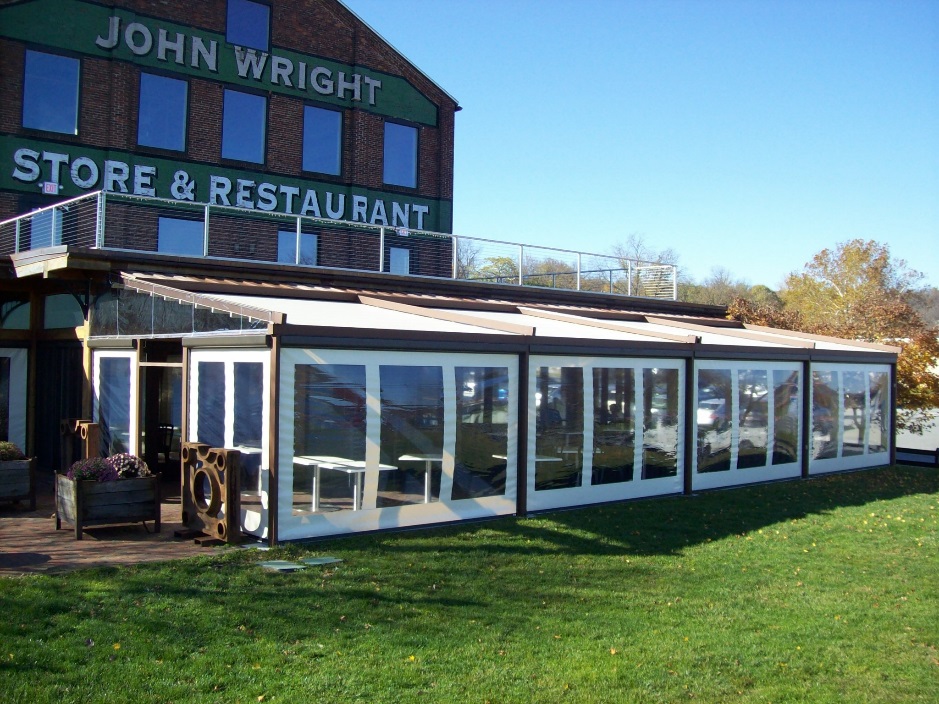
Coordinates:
[824,590]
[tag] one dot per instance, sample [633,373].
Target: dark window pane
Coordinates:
[50,93]
[879,409]
[161,120]
[411,434]
[855,416]
[559,428]
[825,403]
[249,402]
[287,248]
[329,422]
[322,140]
[114,404]
[400,165]
[659,423]
[787,416]
[183,237]
[211,410]
[482,416]
[399,260]
[243,126]
[714,420]
[614,441]
[5,398]
[249,24]
[753,417]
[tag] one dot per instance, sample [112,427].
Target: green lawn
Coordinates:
[824,590]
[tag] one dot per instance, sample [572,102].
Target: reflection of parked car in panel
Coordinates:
[712,413]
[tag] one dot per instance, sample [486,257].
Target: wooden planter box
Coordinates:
[85,503]
[18,481]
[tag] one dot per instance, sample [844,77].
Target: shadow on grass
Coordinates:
[665,526]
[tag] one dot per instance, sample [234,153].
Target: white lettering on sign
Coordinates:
[139,39]
[142,179]
[250,64]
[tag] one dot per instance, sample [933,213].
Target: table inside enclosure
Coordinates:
[428,461]
[354,468]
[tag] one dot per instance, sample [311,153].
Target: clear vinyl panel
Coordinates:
[826,401]
[412,426]
[850,416]
[329,424]
[114,404]
[786,416]
[753,418]
[714,420]
[614,425]
[559,427]
[661,426]
[248,421]
[211,410]
[854,425]
[879,404]
[482,424]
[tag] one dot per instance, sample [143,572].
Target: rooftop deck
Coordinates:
[118,222]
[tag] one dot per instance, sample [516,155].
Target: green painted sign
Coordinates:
[117,33]
[38,166]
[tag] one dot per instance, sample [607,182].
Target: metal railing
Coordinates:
[120,222]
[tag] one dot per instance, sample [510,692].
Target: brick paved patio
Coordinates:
[30,544]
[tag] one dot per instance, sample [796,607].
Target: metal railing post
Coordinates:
[629,278]
[99,231]
[205,232]
[578,271]
[521,255]
[381,249]
[674,283]
[454,243]
[296,254]
[16,242]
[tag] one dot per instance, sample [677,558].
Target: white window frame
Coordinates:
[370,518]
[588,493]
[747,475]
[133,444]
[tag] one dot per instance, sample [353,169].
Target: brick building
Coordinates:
[241,245]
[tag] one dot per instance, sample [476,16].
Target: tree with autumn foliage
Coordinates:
[857,291]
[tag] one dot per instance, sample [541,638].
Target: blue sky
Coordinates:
[747,135]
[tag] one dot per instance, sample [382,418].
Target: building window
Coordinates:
[400,155]
[161,119]
[322,140]
[243,126]
[50,93]
[249,24]
[181,237]
[287,248]
[399,260]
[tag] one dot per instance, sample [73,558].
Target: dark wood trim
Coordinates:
[521,441]
[691,442]
[273,490]
[807,417]
[893,414]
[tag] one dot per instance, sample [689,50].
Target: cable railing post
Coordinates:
[674,283]
[296,254]
[578,271]
[629,277]
[99,231]
[381,249]
[454,244]
[521,256]
[205,232]
[16,240]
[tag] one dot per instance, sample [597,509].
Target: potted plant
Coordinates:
[115,489]
[17,475]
